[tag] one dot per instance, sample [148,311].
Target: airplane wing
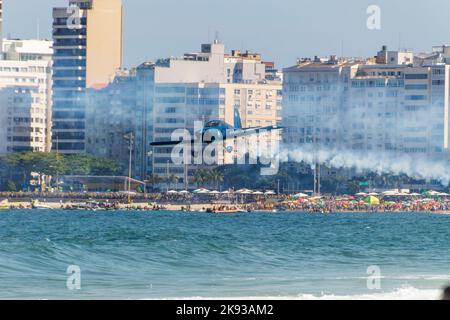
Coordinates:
[256,130]
[237,133]
[170,143]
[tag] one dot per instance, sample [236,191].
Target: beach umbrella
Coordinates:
[371,200]
[300,195]
[244,191]
[390,193]
[258,193]
[214,192]
[361,194]
[172,192]
[373,194]
[184,192]
[226,192]
[432,193]
[270,193]
[201,191]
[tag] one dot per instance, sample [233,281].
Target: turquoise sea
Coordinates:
[165,255]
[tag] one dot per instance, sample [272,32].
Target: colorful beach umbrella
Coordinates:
[371,200]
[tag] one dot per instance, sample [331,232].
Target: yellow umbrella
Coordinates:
[371,200]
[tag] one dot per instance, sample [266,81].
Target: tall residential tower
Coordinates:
[1,25]
[88,50]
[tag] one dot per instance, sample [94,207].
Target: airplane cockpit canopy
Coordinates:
[217,123]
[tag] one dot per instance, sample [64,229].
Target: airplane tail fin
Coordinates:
[237,119]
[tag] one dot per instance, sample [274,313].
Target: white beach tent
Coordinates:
[244,191]
[391,193]
[300,195]
[201,191]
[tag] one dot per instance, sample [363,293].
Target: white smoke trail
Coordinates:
[381,163]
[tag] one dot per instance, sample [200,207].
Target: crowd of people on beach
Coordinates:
[352,204]
[240,202]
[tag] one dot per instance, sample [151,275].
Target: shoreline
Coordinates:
[194,208]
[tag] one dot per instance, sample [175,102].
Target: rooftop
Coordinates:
[28,46]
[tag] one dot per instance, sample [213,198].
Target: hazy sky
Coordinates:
[281,30]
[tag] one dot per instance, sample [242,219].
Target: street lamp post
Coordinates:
[57,163]
[130,138]
[167,174]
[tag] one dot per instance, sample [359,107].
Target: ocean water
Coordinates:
[167,255]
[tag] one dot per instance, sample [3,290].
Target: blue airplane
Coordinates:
[220,130]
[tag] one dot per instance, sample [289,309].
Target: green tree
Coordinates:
[217,177]
[154,179]
[10,186]
[104,167]
[172,179]
[78,165]
[201,176]
[18,167]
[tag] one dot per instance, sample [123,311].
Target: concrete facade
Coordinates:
[174,93]
[387,104]
[25,96]
[111,114]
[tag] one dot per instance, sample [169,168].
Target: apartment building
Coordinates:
[110,117]
[25,96]
[88,51]
[208,85]
[394,103]
[1,25]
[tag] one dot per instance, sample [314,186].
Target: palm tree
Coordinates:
[172,179]
[216,177]
[154,179]
[201,176]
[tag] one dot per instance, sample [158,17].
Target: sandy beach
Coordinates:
[167,207]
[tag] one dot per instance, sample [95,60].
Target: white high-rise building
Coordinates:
[1,25]
[394,103]
[25,96]
[199,87]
